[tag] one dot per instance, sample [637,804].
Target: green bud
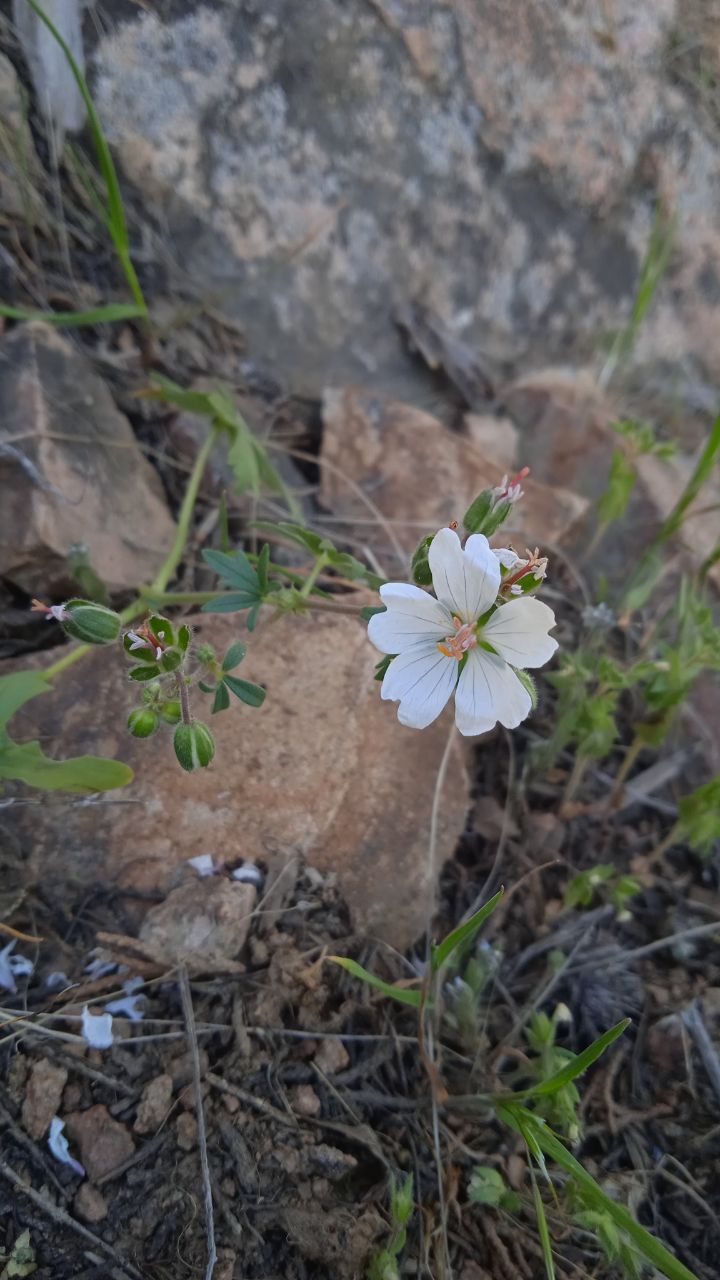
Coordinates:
[142,722]
[170,712]
[91,623]
[152,692]
[420,564]
[205,654]
[478,511]
[194,746]
[496,517]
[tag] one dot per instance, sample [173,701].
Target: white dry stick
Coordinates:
[200,1116]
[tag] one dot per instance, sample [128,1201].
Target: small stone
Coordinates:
[72,1096]
[230,1103]
[186,1131]
[43,1096]
[332,1056]
[332,1163]
[202,925]
[104,1143]
[154,1104]
[89,1204]
[305,1101]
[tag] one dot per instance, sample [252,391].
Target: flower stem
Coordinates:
[578,773]
[313,576]
[660,849]
[184,700]
[631,756]
[168,566]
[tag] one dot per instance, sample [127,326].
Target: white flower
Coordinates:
[142,642]
[431,637]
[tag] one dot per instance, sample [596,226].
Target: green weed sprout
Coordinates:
[384,1265]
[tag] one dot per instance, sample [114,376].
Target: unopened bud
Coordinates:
[142,722]
[478,511]
[170,712]
[91,623]
[194,746]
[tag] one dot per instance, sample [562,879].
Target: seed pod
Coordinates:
[91,623]
[194,746]
[142,722]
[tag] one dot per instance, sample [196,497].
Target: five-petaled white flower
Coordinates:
[431,637]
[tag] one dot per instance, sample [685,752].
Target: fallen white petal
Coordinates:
[465,581]
[248,874]
[203,864]
[422,679]
[97,1029]
[519,632]
[13,966]
[56,980]
[58,1144]
[489,691]
[100,966]
[411,615]
[126,1007]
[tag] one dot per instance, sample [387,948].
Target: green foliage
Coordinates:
[617,1247]
[243,578]
[403,995]
[602,879]
[699,818]
[26,761]
[113,210]
[323,551]
[488,1187]
[463,935]
[384,1265]
[621,482]
[252,468]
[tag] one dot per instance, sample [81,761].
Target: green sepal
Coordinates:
[171,659]
[478,511]
[420,564]
[183,638]
[145,673]
[161,628]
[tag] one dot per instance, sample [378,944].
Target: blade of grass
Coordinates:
[576,1067]
[96,315]
[543,1230]
[115,211]
[442,952]
[401,994]
[650,1247]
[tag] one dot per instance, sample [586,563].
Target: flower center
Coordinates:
[465,638]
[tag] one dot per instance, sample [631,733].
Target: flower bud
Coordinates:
[91,623]
[420,564]
[142,722]
[477,512]
[170,712]
[194,746]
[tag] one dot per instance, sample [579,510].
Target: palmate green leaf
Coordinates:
[252,694]
[312,542]
[402,994]
[234,657]
[234,569]
[464,932]
[108,314]
[232,602]
[222,699]
[26,762]
[649,1246]
[577,1065]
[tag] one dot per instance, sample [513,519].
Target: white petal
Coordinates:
[97,1029]
[423,680]
[203,864]
[127,1007]
[248,873]
[58,1144]
[489,691]
[519,632]
[507,557]
[412,615]
[465,581]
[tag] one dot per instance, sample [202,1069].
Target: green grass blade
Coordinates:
[115,214]
[543,1230]
[576,1067]
[401,994]
[96,315]
[648,1245]
[442,952]
[703,470]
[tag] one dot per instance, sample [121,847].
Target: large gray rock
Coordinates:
[315,165]
[71,472]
